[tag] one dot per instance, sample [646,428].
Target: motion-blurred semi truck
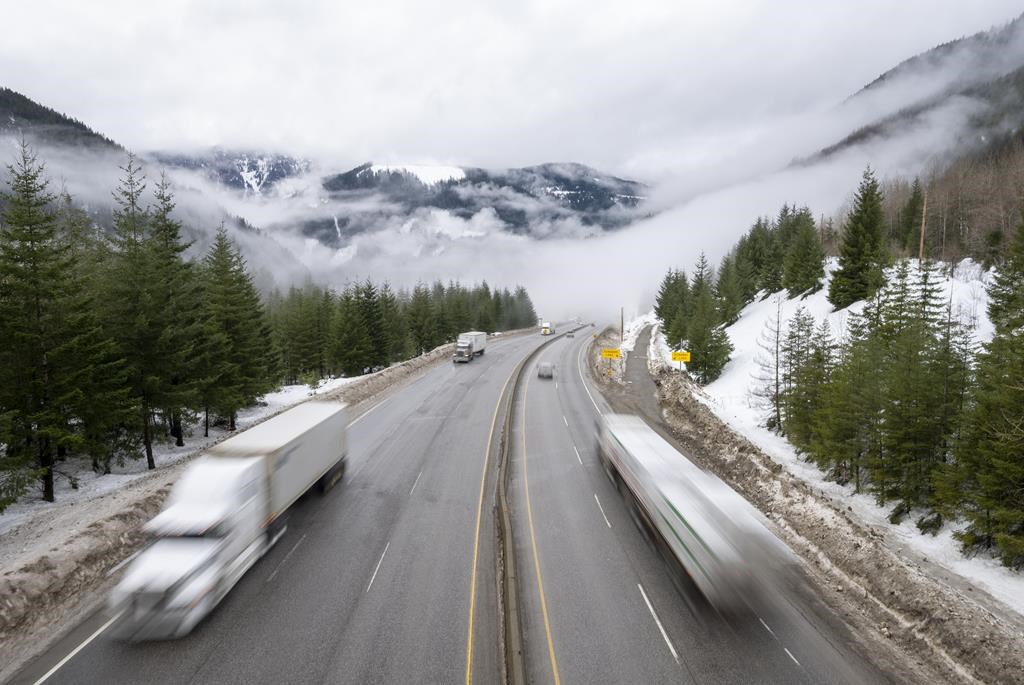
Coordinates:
[547,328]
[714,540]
[223,514]
[469,345]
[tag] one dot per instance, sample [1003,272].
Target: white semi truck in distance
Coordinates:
[547,328]
[223,514]
[469,345]
[711,536]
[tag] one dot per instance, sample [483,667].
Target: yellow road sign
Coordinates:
[611,353]
[681,356]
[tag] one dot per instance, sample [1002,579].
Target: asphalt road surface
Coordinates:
[371,583]
[599,604]
[390,577]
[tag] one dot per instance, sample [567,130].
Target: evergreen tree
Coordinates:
[420,317]
[131,313]
[54,353]
[173,301]
[706,339]
[910,220]
[235,311]
[728,290]
[804,266]
[990,458]
[862,256]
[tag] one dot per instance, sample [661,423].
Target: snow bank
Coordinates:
[731,400]
[91,485]
[633,329]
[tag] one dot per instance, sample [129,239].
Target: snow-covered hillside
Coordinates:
[731,398]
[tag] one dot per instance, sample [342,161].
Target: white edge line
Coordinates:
[287,557]
[664,635]
[416,483]
[379,562]
[577,454]
[361,416]
[791,656]
[79,648]
[579,367]
[602,513]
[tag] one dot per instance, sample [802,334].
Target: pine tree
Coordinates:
[990,458]
[235,311]
[54,354]
[910,220]
[804,266]
[706,339]
[174,297]
[420,317]
[131,313]
[728,291]
[862,256]
[796,354]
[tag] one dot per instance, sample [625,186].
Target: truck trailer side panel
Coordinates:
[299,446]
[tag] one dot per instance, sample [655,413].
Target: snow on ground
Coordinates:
[731,399]
[92,485]
[633,329]
[426,174]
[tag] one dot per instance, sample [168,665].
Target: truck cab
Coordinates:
[208,536]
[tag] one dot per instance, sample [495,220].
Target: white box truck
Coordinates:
[547,328]
[469,345]
[713,538]
[223,514]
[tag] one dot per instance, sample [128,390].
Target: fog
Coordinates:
[714,106]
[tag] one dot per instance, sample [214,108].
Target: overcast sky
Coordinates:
[638,88]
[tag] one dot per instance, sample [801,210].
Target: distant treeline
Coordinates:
[322,332]
[903,404]
[111,341]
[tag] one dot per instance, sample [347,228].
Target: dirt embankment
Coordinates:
[923,628]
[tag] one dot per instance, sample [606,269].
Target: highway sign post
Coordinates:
[680,356]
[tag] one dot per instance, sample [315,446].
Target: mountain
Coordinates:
[21,116]
[548,200]
[972,87]
[248,171]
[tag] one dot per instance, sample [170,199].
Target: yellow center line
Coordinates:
[536,557]
[476,537]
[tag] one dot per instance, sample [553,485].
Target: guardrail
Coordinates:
[514,665]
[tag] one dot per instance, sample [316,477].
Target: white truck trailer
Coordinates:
[469,345]
[223,514]
[714,536]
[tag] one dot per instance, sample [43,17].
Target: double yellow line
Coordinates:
[533,541]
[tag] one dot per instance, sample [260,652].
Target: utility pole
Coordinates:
[622,324]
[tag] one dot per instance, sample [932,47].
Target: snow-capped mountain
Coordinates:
[251,172]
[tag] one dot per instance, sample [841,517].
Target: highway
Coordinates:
[390,578]
[371,583]
[599,605]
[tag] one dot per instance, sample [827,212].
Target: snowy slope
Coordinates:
[731,399]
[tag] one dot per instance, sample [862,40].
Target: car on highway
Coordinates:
[570,335]
[545,370]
